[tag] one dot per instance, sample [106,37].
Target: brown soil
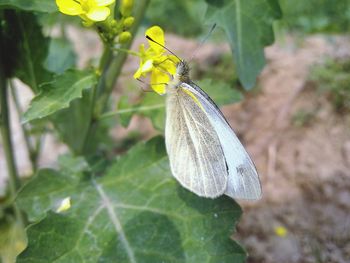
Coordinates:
[304,170]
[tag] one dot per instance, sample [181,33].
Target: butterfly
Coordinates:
[205,155]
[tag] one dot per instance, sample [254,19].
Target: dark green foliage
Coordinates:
[23,48]
[248,27]
[313,16]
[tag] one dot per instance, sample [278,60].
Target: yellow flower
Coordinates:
[89,10]
[281,231]
[154,60]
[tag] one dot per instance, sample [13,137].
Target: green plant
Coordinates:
[314,16]
[94,206]
[332,78]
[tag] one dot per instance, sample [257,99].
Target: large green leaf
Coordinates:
[24,48]
[136,212]
[31,5]
[248,26]
[58,94]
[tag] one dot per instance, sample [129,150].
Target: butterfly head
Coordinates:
[183,71]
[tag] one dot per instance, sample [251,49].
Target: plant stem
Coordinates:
[32,151]
[14,181]
[116,66]
[111,71]
[98,89]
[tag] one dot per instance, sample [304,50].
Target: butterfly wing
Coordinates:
[195,153]
[243,179]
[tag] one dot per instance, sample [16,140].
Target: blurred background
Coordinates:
[295,122]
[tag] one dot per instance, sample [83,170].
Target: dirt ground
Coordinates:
[304,170]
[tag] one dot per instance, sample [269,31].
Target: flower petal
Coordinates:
[69,7]
[159,80]
[98,13]
[144,68]
[103,2]
[157,34]
[167,63]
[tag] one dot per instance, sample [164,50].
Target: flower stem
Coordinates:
[115,68]
[112,68]
[14,181]
[98,89]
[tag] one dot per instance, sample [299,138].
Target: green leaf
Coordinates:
[58,94]
[61,56]
[126,111]
[74,120]
[248,26]
[153,106]
[136,212]
[30,5]
[181,16]
[24,47]
[70,164]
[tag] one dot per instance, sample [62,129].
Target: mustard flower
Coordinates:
[89,10]
[154,61]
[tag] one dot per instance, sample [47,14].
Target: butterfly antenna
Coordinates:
[202,42]
[149,38]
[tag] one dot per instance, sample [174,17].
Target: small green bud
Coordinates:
[124,37]
[126,7]
[129,21]
[114,23]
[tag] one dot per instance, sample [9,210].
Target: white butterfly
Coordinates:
[205,155]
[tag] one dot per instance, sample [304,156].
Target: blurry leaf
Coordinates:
[176,16]
[12,239]
[137,212]
[248,26]
[126,111]
[61,56]
[58,94]
[72,164]
[220,92]
[153,106]
[316,15]
[30,5]
[73,121]
[24,48]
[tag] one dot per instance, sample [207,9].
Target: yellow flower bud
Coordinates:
[129,21]
[126,7]
[124,37]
